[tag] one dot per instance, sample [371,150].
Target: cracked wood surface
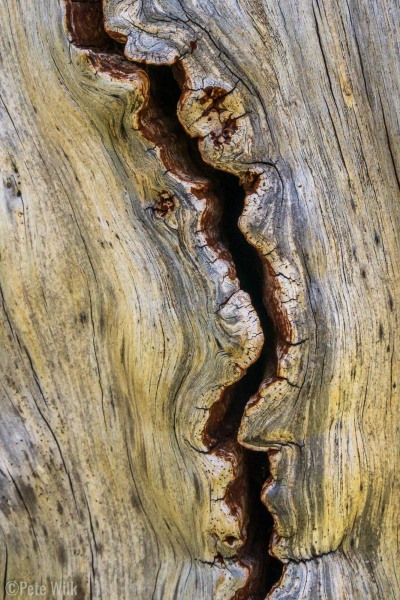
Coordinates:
[124,325]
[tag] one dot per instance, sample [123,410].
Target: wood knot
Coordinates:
[213,93]
[165,204]
[224,135]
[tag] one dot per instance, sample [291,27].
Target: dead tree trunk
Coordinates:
[154,352]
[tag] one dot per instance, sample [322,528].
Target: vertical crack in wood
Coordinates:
[221,188]
[128,304]
[219,433]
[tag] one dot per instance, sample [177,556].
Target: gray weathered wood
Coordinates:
[123,322]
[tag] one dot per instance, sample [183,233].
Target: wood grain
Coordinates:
[124,328]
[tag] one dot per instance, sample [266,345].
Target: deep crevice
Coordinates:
[250,272]
[165,94]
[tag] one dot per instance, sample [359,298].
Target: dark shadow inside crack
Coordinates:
[165,93]
[84,25]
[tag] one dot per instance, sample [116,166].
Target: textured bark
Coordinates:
[126,334]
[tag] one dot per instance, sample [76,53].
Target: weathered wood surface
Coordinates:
[123,318]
